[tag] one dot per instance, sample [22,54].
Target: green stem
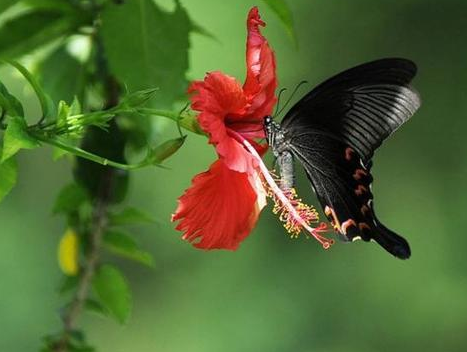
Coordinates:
[187,121]
[90,156]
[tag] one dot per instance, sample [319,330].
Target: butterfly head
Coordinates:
[274,135]
[269,127]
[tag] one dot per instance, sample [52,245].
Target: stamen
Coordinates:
[292,211]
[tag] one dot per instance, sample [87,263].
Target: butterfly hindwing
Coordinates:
[342,184]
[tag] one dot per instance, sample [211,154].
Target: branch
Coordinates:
[74,309]
[100,217]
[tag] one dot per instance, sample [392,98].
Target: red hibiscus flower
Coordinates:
[222,205]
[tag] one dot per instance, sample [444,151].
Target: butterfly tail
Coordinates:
[390,241]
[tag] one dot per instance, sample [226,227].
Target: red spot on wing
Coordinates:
[364,210]
[348,153]
[359,173]
[360,190]
[363,225]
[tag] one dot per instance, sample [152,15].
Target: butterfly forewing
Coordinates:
[361,106]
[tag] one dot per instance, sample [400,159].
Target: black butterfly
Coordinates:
[333,132]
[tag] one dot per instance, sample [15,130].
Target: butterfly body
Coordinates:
[282,153]
[333,132]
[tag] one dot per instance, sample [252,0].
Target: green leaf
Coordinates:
[68,284]
[95,307]
[28,31]
[70,198]
[75,107]
[4,4]
[165,150]
[47,105]
[8,175]
[125,246]
[63,111]
[113,292]
[155,42]
[65,6]
[61,75]
[196,28]
[9,102]
[130,216]
[282,10]
[81,349]
[17,137]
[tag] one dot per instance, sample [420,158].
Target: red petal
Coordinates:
[219,209]
[261,80]
[218,97]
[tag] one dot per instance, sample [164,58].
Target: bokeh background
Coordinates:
[274,293]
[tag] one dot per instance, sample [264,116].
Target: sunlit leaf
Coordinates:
[152,51]
[16,137]
[125,246]
[8,176]
[4,4]
[282,10]
[130,216]
[113,291]
[70,198]
[28,31]
[65,6]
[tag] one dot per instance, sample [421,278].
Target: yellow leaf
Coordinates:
[68,253]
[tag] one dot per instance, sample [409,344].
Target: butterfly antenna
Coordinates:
[279,100]
[291,95]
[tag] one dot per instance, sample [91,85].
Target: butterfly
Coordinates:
[333,132]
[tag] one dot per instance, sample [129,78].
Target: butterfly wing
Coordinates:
[361,106]
[333,132]
[342,184]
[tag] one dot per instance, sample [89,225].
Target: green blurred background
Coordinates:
[274,293]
